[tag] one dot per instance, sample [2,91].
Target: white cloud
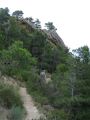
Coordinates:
[71,17]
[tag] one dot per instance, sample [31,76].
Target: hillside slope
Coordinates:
[31,110]
[30,55]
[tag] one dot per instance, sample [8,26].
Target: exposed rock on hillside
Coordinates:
[52,35]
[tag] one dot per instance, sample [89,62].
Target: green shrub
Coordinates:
[16,59]
[16,113]
[9,96]
[34,87]
[57,115]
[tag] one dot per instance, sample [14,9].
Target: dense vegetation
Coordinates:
[24,52]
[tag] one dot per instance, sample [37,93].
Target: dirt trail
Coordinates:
[32,111]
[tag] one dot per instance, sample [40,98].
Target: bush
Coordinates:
[15,59]
[9,96]
[57,115]
[16,113]
[34,87]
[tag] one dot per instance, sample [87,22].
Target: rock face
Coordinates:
[52,35]
[30,24]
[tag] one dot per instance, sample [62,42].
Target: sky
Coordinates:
[70,17]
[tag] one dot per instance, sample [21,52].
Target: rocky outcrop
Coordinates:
[52,35]
[30,24]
